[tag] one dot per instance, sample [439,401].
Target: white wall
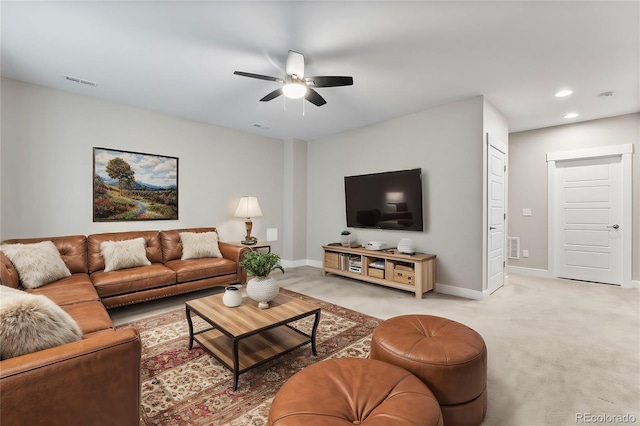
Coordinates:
[295,200]
[47,159]
[528,179]
[447,143]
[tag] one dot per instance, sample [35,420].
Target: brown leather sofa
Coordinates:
[97,380]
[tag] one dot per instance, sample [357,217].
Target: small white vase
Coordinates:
[263,290]
[232,297]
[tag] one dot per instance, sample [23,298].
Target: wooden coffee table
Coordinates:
[244,337]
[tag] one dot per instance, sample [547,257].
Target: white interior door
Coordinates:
[589,212]
[496,205]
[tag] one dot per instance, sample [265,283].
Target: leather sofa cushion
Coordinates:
[94,241]
[74,289]
[196,269]
[132,279]
[171,244]
[73,250]
[90,316]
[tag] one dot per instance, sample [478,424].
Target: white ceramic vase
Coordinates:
[263,290]
[232,297]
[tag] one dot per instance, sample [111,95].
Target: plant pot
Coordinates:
[232,297]
[345,240]
[263,290]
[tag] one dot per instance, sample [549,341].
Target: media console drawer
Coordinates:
[331,260]
[378,273]
[404,277]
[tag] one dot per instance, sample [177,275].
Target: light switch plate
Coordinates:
[526,212]
[272,234]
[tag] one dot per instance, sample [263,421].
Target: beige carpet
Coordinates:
[557,349]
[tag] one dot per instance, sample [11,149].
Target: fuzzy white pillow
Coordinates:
[30,323]
[124,254]
[37,264]
[199,245]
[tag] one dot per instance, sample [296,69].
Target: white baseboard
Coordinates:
[631,284]
[440,288]
[531,272]
[301,262]
[461,292]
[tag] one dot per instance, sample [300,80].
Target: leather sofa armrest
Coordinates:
[235,252]
[94,381]
[8,274]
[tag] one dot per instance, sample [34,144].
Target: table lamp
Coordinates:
[248,207]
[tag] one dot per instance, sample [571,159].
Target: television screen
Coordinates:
[390,200]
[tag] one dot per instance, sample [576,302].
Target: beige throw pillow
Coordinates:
[199,245]
[124,254]
[37,264]
[30,323]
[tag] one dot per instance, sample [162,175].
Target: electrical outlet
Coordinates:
[526,212]
[525,253]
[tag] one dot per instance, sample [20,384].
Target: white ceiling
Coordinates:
[178,58]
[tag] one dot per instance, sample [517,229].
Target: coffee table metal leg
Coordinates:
[313,333]
[188,311]
[236,365]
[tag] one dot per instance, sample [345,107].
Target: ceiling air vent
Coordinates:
[81,81]
[513,247]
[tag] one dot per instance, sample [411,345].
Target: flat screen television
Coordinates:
[389,200]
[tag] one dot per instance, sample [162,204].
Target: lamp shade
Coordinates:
[248,207]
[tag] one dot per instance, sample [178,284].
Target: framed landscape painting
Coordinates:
[130,186]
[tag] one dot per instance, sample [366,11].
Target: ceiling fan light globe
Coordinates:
[294,90]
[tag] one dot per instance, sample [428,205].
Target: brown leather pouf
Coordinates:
[449,357]
[354,391]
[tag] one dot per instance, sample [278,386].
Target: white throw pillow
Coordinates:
[37,264]
[30,323]
[199,245]
[124,254]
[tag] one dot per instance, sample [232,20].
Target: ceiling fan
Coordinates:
[295,85]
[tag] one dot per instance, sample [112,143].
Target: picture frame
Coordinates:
[134,186]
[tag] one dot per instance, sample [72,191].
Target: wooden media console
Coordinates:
[415,273]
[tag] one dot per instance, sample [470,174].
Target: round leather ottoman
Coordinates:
[449,357]
[354,391]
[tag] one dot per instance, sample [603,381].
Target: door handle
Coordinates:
[616,226]
[491,228]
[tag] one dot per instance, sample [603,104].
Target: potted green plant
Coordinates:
[345,238]
[262,288]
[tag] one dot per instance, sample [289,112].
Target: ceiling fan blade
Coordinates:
[272,95]
[314,97]
[329,81]
[258,76]
[295,64]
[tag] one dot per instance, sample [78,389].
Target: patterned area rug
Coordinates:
[190,387]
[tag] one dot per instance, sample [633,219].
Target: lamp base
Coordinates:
[248,243]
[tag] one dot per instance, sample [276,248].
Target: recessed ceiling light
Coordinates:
[571,115]
[563,93]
